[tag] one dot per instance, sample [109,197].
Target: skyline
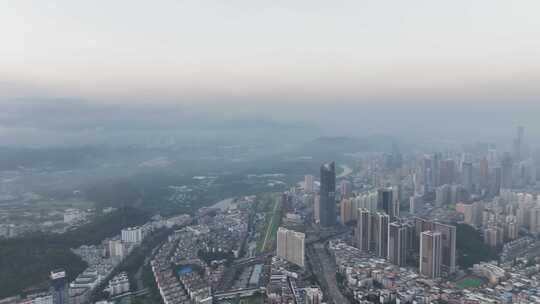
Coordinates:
[211,152]
[182,52]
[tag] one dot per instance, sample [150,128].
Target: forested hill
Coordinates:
[26,261]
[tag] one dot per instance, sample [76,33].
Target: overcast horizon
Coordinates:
[73,71]
[182,51]
[192,151]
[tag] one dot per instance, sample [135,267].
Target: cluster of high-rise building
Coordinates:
[325,209]
[483,172]
[381,231]
[379,228]
[370,279]
[477,187]
[367,200]
[502,218]
[384,199]
[403,241]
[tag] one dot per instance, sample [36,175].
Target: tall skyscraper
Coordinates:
[346,211]
[308,183]
[327,208]
[511,229]
[367,200]
[506,166]
[447,172]
[317,209]
[386,202]
[534,221]
[418,183]
[448,244]
[363,230]
[380,233]
[497,182]
[396,196]
[523,216]
[430,254]
[291,246]
[467,176]
[345,189]
[437,169]
[518,144]
[484,173]
[427,171]
[420,225]
[472,213]
[491,236]
[281,242]
[397,243]
[448,240]
[59,288]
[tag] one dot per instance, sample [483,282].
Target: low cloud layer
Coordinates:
[67,122]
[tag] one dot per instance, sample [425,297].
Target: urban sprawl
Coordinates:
[453,227]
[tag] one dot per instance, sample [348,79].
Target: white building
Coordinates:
[290,246]
[116,248]
[132,235]
[119,284]
[88,279]
[309,183]
[367,200]
[430,253]
[316,209]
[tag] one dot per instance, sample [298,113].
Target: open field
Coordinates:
[273,220]
[469,282]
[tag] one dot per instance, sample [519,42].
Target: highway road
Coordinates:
[325,269]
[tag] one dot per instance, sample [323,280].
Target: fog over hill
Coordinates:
[76,122]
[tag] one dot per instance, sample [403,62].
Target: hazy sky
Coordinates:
[181,50]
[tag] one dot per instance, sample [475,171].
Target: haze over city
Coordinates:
[278,152]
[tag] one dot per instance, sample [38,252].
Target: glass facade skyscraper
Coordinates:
[327,207]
